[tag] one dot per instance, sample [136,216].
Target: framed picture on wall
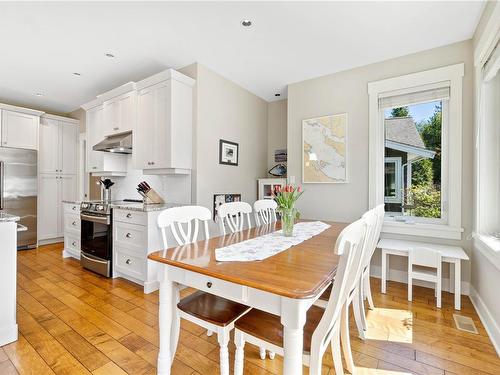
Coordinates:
[224,198]
[324,149]
[228,152]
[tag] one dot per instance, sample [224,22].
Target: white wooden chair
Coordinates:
[265,211]
[425,264]
[232,215]
[366,292]
[216,314]
[323,326]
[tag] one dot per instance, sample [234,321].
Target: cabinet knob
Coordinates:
[209,284]
[128,261]
[74,223]
[129,216]
[128,235]
[153,163]
[94,167]
[74,208]
[116,128]
[73,243]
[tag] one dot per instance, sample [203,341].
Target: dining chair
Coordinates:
[232,214]
[265,210]
[214,313]
[425,264]
[322,326]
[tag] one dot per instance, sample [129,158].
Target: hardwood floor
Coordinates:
[72,321]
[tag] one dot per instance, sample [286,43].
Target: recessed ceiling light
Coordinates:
[38,94]
[277,94]
[110,55]
[246,23]
[77,74]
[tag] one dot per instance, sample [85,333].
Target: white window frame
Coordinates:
[398,178]
[487,245]
[451,188]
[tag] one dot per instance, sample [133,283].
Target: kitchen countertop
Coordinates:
[132,206]
[71,202]
[4,217]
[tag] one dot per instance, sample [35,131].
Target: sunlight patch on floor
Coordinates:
[390,325]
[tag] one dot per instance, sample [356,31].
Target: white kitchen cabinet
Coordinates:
[268,185]
[72,230]
[20,130]
[135,236]
[52,190]
[163,132]
[119,114]
[48,212]
[99,162]
[59,141]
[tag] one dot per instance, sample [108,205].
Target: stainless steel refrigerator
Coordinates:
[19,191]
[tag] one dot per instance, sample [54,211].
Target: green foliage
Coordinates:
[400,112]
[286,197]
[430,130]
[422,173]
[426,201]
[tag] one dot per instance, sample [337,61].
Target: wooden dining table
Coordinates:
[286,284]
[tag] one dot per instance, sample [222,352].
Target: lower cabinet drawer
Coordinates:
[72,223]
[130,265]
[72,208]
[130,236]
[72,243]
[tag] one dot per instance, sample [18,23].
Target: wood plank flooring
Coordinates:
[72,321]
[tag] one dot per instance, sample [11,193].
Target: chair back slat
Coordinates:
[233,216]
[424,256]
[177,217]
[265,211]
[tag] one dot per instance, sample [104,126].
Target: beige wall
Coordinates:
[347,92]
[224,110]
[79,114]
[276,129]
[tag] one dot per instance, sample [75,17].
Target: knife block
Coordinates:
[152,197]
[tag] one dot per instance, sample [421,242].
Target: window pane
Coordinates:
[413,160]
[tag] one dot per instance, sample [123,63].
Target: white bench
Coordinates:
[450,254]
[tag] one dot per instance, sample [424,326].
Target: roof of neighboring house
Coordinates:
[401,134]
[403,130]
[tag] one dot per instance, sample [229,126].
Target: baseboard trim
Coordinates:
[402,277]
[50,241]
[487,318]
[67,254]
[8,334]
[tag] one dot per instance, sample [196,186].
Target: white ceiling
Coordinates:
[42,44]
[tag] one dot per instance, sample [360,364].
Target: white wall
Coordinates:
[485,271]
[347,92]
[276,129]
[224,110]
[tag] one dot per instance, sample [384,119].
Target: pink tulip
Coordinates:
[299,189]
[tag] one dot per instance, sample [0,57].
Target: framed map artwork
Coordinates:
[324,149]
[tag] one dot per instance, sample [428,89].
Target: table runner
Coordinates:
[263,247]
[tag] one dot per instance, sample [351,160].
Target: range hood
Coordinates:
[118,144]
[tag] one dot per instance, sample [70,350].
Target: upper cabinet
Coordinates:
[19,127]
[59,139]
[158,110]
[119,114]
[98,162]
[163,133]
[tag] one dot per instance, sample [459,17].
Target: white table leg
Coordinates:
[165,317]
[293,318]
[383,287]
[458,284]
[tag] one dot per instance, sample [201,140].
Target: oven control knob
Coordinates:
[85,205]
[100,208]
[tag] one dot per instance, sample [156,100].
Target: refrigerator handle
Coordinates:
[2,172]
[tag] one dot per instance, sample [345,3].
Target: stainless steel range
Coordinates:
[96,237]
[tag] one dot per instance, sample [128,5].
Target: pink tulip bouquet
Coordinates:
[286,197]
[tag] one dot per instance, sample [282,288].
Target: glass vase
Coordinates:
[287,221]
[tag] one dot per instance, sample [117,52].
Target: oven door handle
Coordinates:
[95,219]
[92,259]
